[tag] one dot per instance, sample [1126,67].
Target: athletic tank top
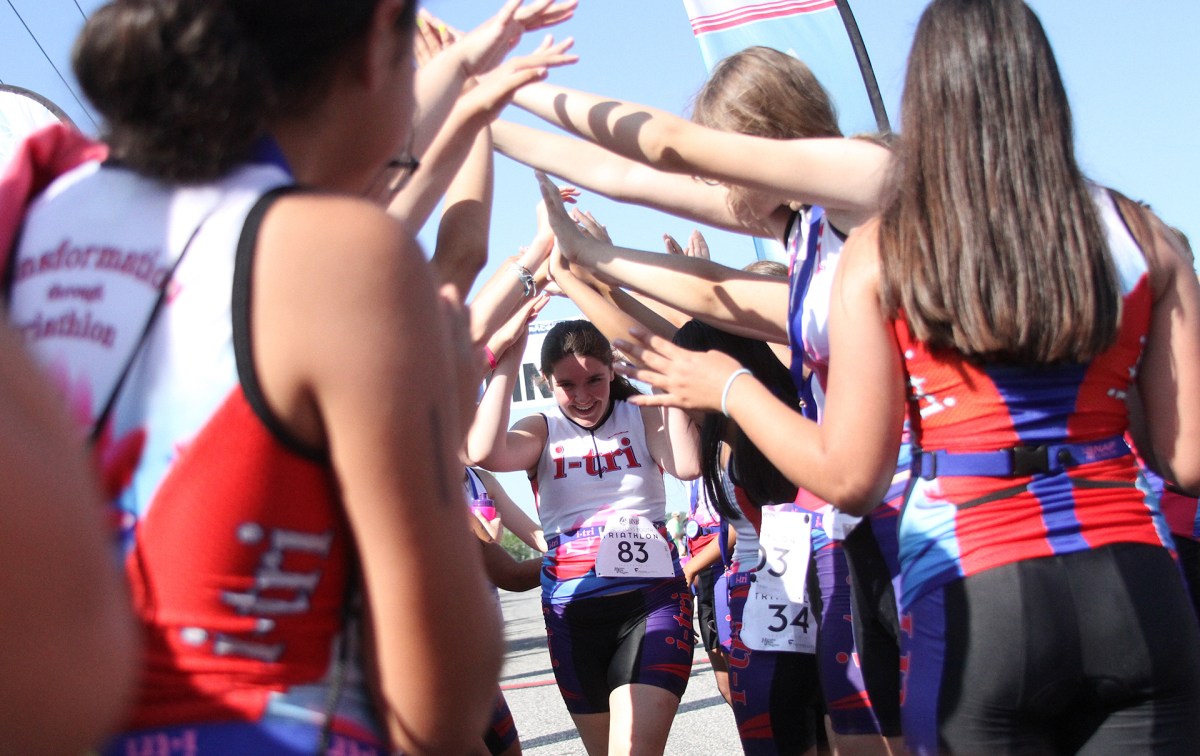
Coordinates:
[236,549]
[584,477]
[956,526]
[814,248]
[745,549]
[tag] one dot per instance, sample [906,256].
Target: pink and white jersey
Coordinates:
[585,477]
[237,552]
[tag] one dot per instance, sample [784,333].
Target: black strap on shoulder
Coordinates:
[151,319]
[243,345]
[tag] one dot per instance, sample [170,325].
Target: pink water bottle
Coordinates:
[484,507]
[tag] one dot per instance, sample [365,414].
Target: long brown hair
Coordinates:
[991,243]
[766,93]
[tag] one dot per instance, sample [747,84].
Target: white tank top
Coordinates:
[584,476]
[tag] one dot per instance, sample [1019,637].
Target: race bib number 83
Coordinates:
[632,547]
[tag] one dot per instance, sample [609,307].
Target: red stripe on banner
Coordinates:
[730,19]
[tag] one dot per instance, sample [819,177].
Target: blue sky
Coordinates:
[1131,72]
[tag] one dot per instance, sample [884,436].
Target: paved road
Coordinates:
[703,727]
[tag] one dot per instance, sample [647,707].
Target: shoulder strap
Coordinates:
[1136,218]
[155,311]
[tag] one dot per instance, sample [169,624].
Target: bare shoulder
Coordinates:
[533,425]
[336,227]
[860,256]
[1169,255]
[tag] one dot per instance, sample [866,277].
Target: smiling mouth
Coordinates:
[586,409]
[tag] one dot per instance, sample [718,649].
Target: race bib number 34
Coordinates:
[777,616]
[632,547]
[770,622]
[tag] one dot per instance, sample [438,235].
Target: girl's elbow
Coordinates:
[857,496]
[1186,476]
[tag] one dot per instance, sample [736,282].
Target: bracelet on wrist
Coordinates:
[526,279]
[728,385]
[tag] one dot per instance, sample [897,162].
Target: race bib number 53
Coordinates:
[632,547]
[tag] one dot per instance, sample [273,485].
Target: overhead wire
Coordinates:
[50,60]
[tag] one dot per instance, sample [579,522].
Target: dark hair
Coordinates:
[763,92]
[186,87]
[991,243]
[581,338]
[749,467]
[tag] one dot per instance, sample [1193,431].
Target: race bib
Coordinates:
[632,547]
[777,616]
[770,622]
[785,550]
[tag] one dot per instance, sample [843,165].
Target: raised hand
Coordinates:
[567,194]
[590,225]
[495,89]
[433,36]
[685,379]
[486,45]
[570,238]
[697,246]
[513,334]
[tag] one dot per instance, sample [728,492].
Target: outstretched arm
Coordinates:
[585,164]
[845,176]
[671,435]
[748,304]
[472,112]
[462,241]
[849,459]
[439,84]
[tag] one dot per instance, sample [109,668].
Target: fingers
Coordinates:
[548,55]
[590,225]
[556,212]
[551,197]
[697,245]
[541,14]
[672,246]
[509,11]
[539,304]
